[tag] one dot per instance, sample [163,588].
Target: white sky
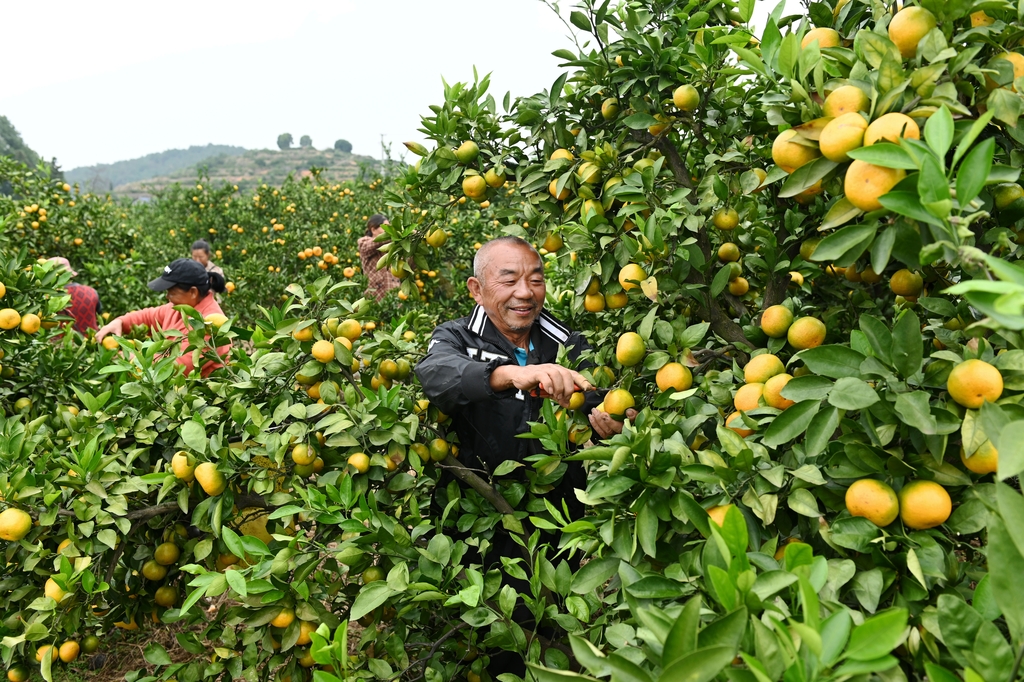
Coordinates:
[111,80]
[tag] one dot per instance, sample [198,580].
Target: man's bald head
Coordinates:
[484,254]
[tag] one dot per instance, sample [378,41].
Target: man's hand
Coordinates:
[114,327]
[550,381]
[605,426]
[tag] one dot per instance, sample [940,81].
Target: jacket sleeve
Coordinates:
[148,316]
[451,378]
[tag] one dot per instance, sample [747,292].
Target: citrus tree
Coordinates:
[796,256]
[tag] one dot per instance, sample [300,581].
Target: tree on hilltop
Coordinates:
[305,141]
[343,146]
[284,141]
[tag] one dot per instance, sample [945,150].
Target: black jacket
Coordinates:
[455,376]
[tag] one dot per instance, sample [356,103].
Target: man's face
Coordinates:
[512,290]
[201,257]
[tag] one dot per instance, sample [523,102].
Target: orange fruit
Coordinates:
[630,349]
[14,524]
[891,128]
[675,376]
[30,323]
[796,279]
[686,97]
[474,186]
[906,283]
[609,109]
[616,301]
[166,596]
[739,286]
[748,397]
[18,673]
[617,401]
[52,590]
[9,318]
[789,155]
[438,449]
[842,135]
[806,332]
[728,252]
[825,37]
[323,351]
[865,183]
[985,459]
[718,513]
[211,480]
[775,321]
[872,500]
[972,382]
[870,276]
[91,644]
[44,650]
[350,329]
[981,19]
[593,303]
[166,553]
[151,570]
[726,219]
[844,100]
[306,628]
[773,391]
[372,574]
[283,618]
[576,400]
[359,461]
[908,27]
[924,504]
[561,154]
[762,367]
[1017,60]
[553,190]
[739,429]
[631,271]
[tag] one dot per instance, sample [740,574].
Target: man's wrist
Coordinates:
[502,378]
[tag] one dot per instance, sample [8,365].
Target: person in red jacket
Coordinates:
[185,282]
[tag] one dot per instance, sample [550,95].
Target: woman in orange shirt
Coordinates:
[185,282]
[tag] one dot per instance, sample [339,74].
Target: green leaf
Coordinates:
[803,502]
[852,394]
[639,121]
[594,574]
[907,344]
[878,635]
[657,587]
[846,244]
[878,336]
[370,597]
[938,131]
[647,529]
[194,436]
[236,581]
[806,176]
[703,665]
[682,638]
[720,281]
[626,670]
[547,675]
[791,423]
[840,213]
[885,154]
[1011,450]
[967,140]
[913,409]
[908,204]
[970,179]
[807,387]
[835,632]
[155,654]
[833,361]
[580,21]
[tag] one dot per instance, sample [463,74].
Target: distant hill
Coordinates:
[255,167]
[105,177]
[13,146]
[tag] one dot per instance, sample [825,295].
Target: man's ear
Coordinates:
[475,288]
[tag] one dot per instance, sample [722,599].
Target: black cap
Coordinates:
[185,272]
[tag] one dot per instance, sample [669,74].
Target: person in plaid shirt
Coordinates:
[381,281]
[85,302]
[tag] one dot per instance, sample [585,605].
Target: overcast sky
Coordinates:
[115,79]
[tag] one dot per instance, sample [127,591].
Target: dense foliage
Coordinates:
[820,325]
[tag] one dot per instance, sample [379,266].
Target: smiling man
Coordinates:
[491,370]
